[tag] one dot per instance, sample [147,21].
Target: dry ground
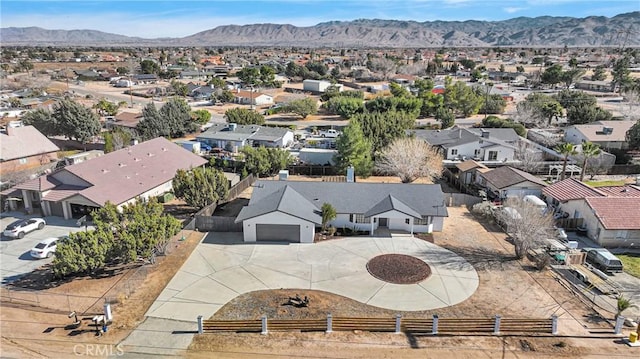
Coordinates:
[30,331]
[507,287]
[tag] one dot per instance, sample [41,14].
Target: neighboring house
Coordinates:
[24,148]
[120,177]
[319,86]
[610,214]
[249,97]
[505,181]
[290,211]
[607,134]
[233,137]
[479,144]
[125,120]
[588,85]
[468,171]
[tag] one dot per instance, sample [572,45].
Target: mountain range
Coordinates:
[545,31]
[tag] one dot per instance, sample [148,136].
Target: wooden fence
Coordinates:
[460,199]
[217,224]
[435,325]
[569,223]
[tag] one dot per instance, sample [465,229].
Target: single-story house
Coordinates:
[319,86]
[506,181]
[599,86]
[250,97]
[607,134]
[141,171]
[480,144]
[291,211]
[611,213]
[233,137]
[24,148]
[468,171]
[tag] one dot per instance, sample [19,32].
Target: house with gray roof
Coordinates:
[505,181]
[479,144]
[291,210]
[120,177]
[233,137]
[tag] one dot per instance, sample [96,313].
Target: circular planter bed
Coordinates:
[398,268]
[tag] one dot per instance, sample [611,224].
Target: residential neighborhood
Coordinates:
[197,200]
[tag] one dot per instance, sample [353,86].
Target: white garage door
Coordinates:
[278,232]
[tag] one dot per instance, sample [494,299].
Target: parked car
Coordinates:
[604,260]
[330,133]
[21,227]
[46,248]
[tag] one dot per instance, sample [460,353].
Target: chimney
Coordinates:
[484,133]
[232,126]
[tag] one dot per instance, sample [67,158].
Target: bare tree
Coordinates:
[410,158]
[598,165]
[385,67]
[527,225]
[530,158]
[529,116]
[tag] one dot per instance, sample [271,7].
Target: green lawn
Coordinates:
[604,183]
[631,263]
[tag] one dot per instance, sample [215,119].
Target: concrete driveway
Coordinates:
[15,260]
[223,267]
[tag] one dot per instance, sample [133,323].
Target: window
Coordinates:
[407,221]
[425,220]
[359,218]
[493,156]
[23,161]
[454,152]
[477,152]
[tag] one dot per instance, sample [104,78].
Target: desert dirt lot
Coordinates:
[507,287]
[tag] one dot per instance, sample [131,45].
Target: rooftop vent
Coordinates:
[136,159]
[150,154]
[104,170]
[164,149]
[121,165]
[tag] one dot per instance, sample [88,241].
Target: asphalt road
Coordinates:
[15,259]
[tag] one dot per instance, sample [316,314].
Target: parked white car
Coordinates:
[330,133]
[46,248]
[21,227]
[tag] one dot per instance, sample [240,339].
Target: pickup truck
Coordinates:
[330,133]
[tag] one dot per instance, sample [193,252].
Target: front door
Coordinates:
[382,222]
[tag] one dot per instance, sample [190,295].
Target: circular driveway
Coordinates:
[223,267]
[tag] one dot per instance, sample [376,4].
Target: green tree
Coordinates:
[468,64]
[589,150]
[152,124]
[621,73]
[116,139]
[398,90]
[201,117]
[303,107]
[149,67]
[176,113]
[179,88]
[566,150]
[381,128]
[494,104]
[74,121]
[446,117]
[354,150]
[243,116]
[330,92]
[599,73]
[82,253]
[42,120]
[328,214]
[217,82]
[569,98]
[622,304]
[572,76]
[552,75]
[201,186]
[107,108]
[345,106]
[550,110]
[582,114]
[249,75]
[633,136]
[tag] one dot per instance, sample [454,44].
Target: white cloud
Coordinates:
[511,10]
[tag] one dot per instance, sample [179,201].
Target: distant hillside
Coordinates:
[545,31]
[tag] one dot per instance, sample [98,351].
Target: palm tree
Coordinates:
[589,150]
[328,214]
[566,150]
[622,304]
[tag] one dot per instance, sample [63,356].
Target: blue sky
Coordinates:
[179,18]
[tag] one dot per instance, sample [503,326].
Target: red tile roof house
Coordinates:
[120,177]
[24,148]
[611,214]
